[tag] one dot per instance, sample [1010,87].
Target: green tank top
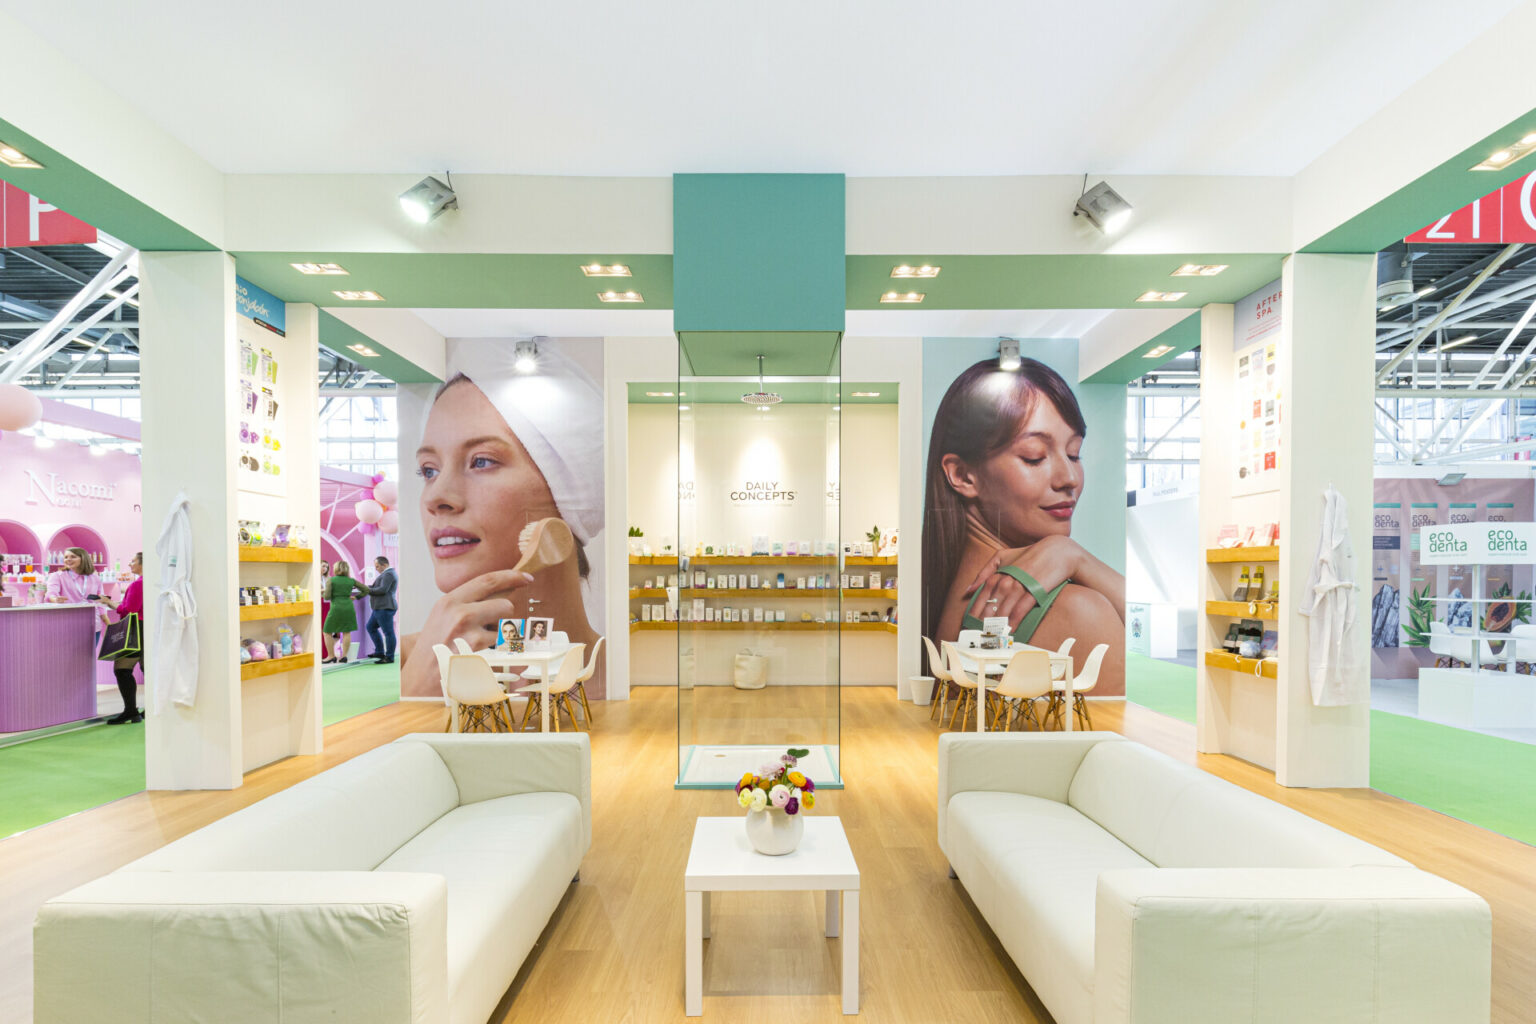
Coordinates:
[1027,626]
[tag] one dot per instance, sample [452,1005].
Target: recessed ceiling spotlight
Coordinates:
[602,270]
[327,269]
[1502,158]
[13,157]
[903,297]
[864,394]
[363,350]
[1160,350]
[1200,270]
[611,296]
[1104,207]
[1160,296]
[427,199]
[926,270]
[525,356]
[658,394]
[359,296]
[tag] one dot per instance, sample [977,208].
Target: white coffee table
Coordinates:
[722,860]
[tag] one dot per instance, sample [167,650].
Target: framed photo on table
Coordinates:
[538,633]
[509,635]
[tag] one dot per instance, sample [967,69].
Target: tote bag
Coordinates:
[122,639]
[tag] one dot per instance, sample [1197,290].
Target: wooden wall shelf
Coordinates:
[273,666]
[248,554]
[1267,610]
[254,612]
[867,560]
[797,627]
[652,559]
[1254,554]
[822,560]
[770,593]
[1221,659]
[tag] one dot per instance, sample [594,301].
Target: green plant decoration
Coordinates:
[873,536]
[635,531]
[1421,612]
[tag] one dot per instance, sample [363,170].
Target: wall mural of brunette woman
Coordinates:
[1005,483]
[504,458]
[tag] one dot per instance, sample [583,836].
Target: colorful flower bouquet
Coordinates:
[778,785]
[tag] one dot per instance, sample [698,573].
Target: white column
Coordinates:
[1327,437]
[188,364]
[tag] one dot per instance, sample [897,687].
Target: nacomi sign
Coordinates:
[65,493]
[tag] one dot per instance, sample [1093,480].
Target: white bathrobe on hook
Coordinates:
[172,661]
[1336,669]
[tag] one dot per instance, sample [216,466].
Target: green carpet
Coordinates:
[1160,686]
[354,689]
[1485,780]
[56,776]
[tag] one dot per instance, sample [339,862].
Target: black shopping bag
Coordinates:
[122,639]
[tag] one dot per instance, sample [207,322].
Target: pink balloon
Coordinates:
[367,529]
[387,493]
[390,523]
[368,510]
[19,408]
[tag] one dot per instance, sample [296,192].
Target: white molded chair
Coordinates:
[1026,679]
[481,700]
[942,679]
[962,679]
[1082,682]
[462,646]
[1060,671]
[443,654]
[1446,643]
[559,691]
[587,672]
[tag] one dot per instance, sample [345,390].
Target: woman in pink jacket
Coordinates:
[122,668]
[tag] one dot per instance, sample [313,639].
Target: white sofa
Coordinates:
[1131,889]
[406,885]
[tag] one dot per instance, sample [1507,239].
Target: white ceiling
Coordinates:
[928,323]
[863,87]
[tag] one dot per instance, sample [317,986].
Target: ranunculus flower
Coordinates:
[797,779]
[808,786]
[807,800]
[789,759]
[779,795]
[759,800]
[793,807]
[746,780]
[769,769]
[745,797]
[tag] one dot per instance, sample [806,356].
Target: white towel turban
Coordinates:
[556,412]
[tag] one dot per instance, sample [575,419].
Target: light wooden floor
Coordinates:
[613,951]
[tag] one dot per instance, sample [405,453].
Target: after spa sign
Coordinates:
[1478,544]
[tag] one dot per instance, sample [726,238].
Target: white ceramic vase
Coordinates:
[772,832]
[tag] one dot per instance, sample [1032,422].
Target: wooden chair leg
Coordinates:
[1082,706]
[586,709]
[532,705]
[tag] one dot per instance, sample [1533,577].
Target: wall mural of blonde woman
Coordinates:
[504,457]
[1004,491]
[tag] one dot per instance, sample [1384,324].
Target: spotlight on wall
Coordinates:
[10,156]
[427,199]
[1104,208]
[525,356]
[1008,355]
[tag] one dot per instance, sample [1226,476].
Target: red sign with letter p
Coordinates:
[26,220]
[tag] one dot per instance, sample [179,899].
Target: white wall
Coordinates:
[1163,556]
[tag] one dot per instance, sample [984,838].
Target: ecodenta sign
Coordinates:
[1445,542]
[1502,541]
[65,493]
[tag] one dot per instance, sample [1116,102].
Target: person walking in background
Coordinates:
[122,668]
[325,610]
[381,623]
[341,620]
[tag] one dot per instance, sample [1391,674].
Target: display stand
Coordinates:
[1272,440]
[1487,692]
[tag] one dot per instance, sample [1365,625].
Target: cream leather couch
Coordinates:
[406,885]
[1131,889]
